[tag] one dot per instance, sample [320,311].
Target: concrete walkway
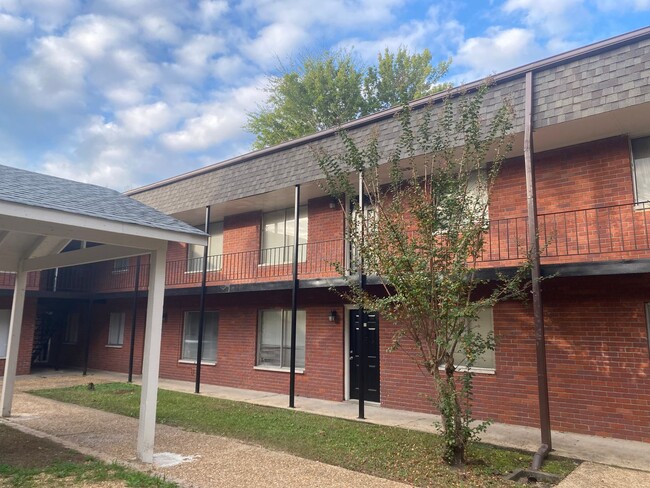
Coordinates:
[238,464]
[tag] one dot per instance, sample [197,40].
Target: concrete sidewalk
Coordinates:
[101,434]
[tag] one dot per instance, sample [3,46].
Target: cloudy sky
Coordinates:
[126,92]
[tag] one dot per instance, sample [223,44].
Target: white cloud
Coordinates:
[553,18]
[14,25]
[211,10]
[217,121]
[146,120]
[194,57]
[434,31]
[54,76]
[48,14]
[498,51]
[623,5]
[157,28]
[275,42]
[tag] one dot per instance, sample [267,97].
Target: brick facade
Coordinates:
[597,340]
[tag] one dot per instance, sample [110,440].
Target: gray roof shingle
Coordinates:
[44,191]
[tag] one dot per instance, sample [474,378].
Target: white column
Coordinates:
[13,345]
[151,360]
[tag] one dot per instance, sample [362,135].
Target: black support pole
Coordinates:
[361,342]
[533,237]
[133,317]
[199,346]
[89,311]
[294,299]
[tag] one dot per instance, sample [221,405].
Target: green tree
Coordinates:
[401,77]
[331,89]
[424,239]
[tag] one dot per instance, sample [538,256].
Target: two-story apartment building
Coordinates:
[591,120]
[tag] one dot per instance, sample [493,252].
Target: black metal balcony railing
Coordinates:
[593,234]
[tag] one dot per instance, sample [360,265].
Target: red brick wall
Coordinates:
[598,361]
[112,358]
[236,344]
[26,335]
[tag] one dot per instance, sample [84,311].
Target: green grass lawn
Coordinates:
[388,452]
[28,461]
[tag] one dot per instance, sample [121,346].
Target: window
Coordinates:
[274,338]
[5,316]
[72,329]
[278,235]
[641,163]
[483,325]
[120,265]
[215,250]
[191,336]
[116,329]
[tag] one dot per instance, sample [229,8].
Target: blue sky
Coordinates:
[123,93]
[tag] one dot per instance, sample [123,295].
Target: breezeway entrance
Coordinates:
[40,215]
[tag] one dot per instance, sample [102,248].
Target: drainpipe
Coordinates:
[133,318]
[538,312]
[294,299]
[199,346]
[361,343]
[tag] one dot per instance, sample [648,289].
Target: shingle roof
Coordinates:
[592,80]
[39,190]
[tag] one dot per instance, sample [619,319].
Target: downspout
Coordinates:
[294,299]
[199,346]
[361,343]
[538,311]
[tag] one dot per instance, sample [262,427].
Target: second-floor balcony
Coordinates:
[574,236]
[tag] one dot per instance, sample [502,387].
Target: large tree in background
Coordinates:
[333,88]
[424,239]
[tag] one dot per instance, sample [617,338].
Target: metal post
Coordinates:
[199,346]
[133,317]
[361,343]
[533,236]
[89,321]
[294,298]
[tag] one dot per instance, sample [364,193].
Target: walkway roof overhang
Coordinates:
[40,215]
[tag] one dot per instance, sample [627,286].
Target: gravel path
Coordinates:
[217,461]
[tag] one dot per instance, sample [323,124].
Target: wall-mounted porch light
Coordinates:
[332,317]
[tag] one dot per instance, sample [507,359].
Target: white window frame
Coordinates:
[72,328]
[5,323]
[188,357]
[116,337]
[272,254]
[215,251]
[285,334]
[635,167]
[487,316]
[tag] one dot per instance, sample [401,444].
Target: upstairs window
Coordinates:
[121,265]
[215,250]
[278,236]
[641,165]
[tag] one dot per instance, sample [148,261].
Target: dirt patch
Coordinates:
[26,451]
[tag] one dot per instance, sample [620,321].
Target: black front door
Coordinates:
[370,336]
